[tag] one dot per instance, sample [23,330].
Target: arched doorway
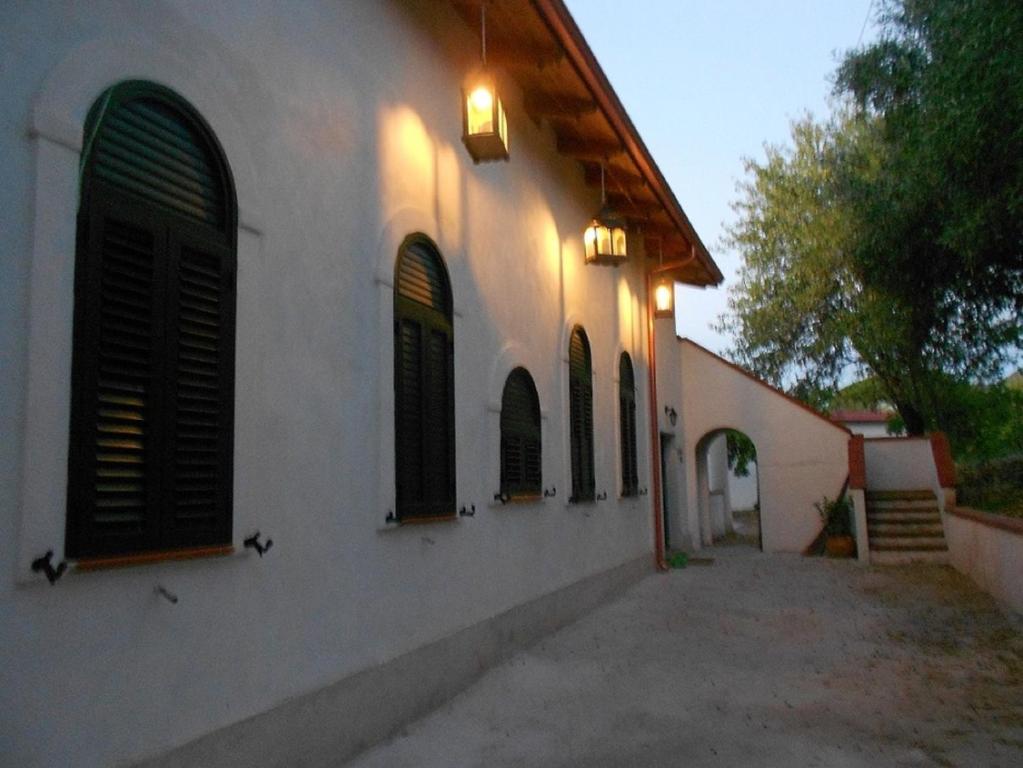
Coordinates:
[728,488]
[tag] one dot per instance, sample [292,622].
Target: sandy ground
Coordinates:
[755,660]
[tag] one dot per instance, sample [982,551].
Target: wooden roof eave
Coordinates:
[570,38]
[590,123]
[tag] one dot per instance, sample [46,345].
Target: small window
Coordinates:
[627,424]
[580,408]
[152,409]
[424,403]
[521,474]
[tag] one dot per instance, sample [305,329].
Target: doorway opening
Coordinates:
[728,488]
[666,504]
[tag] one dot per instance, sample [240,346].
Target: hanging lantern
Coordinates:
[484,125]
[664,298]
[604,240]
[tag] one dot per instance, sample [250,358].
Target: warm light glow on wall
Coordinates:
[420,178]
[664,299]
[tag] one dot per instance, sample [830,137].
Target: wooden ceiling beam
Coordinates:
[522,54]
[632,207]
[671,248]
[617,177]
[589,149]
[545,104]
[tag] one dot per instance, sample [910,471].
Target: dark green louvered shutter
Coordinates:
[200,392]
[115,458]
[580,378]
[627,419]
[423,384]
[521,465]
[153,362]
[142,147]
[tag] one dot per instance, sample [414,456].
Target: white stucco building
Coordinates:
[253,281]
[239,200]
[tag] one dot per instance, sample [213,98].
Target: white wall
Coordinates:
[900,463]
[801,456]
[718,486]
[341,125]
[989,549]
[669,397]
[743,490]
[868,428]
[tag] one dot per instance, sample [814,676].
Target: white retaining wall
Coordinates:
[989,549]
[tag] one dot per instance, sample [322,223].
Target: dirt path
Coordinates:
[758,660]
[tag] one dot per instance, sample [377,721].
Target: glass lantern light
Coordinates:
[604,240]
[664,298]
[484,124]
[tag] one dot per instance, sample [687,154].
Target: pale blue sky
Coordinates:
[708,82]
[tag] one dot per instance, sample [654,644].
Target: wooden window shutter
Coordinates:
[423,383]
[200,391]
[150,463]
[521,460]
[627,424]
[580,378]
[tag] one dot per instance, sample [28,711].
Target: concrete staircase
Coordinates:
[905,527]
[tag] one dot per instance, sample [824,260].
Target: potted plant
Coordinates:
[837,516]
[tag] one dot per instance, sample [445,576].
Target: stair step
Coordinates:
[904,518]
[904,558]
[908,545]
[903,504]
[923,494]
[906,531]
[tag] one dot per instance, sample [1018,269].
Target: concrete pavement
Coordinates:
[765,660]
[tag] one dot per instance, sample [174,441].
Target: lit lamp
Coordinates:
[664,299]
[604,239]
[484,125]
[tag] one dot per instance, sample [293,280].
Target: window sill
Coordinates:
[413,522]
[146,558]
[518,501]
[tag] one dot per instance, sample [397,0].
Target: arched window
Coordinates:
[580,410]
[520,436]
[424,403]
[627,423]
[150,464]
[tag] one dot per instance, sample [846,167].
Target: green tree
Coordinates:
[789,312]
[940,222]
[741,452]
[890,236]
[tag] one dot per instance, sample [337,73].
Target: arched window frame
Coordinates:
[521,443]
[150,462]
[580,409]
[424,410]
[627,425]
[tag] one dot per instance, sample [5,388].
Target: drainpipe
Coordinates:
[655,431]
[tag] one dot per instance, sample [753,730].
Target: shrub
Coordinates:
[837,516]
[993,486]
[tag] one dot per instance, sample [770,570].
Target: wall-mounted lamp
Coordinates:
[484,124]
[604,240]
[671,413]
[664,298]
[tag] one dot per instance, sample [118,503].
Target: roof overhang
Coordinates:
[538,43]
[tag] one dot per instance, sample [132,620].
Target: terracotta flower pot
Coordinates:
[840,546]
